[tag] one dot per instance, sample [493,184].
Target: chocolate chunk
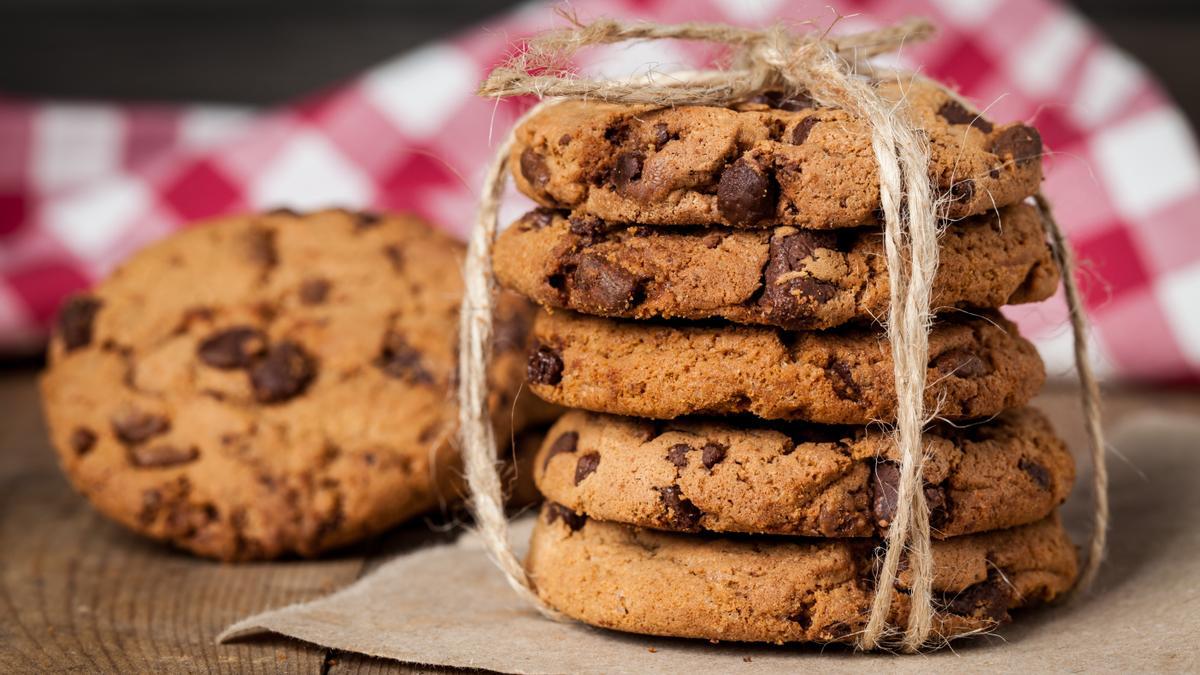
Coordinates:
[677,455]
[82,441]
[365,220]
[600,286]
[545,366]
[572,520]
[283,373]
[662,135]
[133,427]
[314,291]
[260,247]
[534,169]
[681,513]
[1019,143]
[75,321]
[796,298]
[1037,472]
[538,218]
[842,380]
[235,347]
[885,488]
[590,228]
[564,139]
[400,360]
[937,501]
[955,113]
[395,256]
[988,599]
[962,191]
[746,194]
[712,454]
[803,128]
[586,466]
[961,362]
[628,170]
[162,455]
[566,442]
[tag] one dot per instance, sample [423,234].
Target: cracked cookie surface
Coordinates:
[741,475]
[271,384]
[787,277]
[764,589]
[978,366]
[761,163]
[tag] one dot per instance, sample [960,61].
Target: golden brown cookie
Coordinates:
[271,384]
[762,163]
[741,475]
[978,366]
[796,279]
[763,589]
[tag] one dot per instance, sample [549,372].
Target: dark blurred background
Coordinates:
[268,51]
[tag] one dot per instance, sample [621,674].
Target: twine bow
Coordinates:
[827,69]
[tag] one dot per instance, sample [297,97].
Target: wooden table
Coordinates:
[80,594]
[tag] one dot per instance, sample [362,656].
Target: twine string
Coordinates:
[825,68]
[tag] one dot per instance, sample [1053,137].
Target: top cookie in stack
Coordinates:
[728,261]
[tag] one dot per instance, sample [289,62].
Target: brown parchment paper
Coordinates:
[445,605]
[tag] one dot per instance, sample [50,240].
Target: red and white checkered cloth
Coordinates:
[81,187]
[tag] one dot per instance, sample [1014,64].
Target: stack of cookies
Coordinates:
[712,281]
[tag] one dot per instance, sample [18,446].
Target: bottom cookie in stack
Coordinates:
[608,548]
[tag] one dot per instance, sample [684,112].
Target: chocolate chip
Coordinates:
[1020,143]
[538,218]
[961,362]
[677,455]
[962,191]
[662,135]
[591,228]
[82,441]
[400,360]
[600,286]
[628,170]
[283,373]
[586,466]
[572,520]
[803,128]
[533,168]
[235,347]
[260,246]
[1037,472]
[745,193]
[566,442]
[988,599]
[545,366]
[797,297]
[955,113]
[681,513]
[395,256]
[314,291]
[133,427]
[162,455]
[564,139]
[365,220]
[712,454]
[151,503]
[937,501]
[885,488]
[75,321]
[842,380]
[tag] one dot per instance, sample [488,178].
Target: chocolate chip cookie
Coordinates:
[978,366]
[727,475]
[796,279]
[768,161]
[761,589]
[271,384]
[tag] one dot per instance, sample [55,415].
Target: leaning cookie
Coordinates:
[795,279]
[274,384]
[742,475]
[978,366]
[766,162]
[761,589]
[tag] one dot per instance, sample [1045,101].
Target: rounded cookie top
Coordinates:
[271,384]
[787,277]
[799,479]
[978,366]
[760,589]
[761,163]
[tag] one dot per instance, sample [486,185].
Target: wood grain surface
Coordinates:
[79,594]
